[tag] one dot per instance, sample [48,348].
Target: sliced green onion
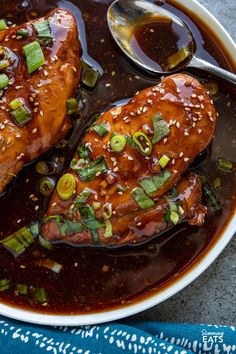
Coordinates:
[107,210]
[118,143]
[46,186]
[49,264]
[181,210]
[225,165]
[217,182]
[212,87]
[143,143]
[82,197]
[46,168]
[43,32]
[160,128]
[174,217]
[142,199]
[34,229]
[89,219]
[71,105]
[203,179]
[62,144]
[44,243]
[211,197]
[108,229]
[83,151]
[163,161]
[21,115]
[93,169]
[4,284]
[21,289]
[89,76]
[130,141]
[96,205]
[3,25]
[69,227]
[152,184]
[16,103]
[174,60]
[39,295]
[66,186]
[4,81]
[22,32]
[19,241]
[77,165]
[4,64]
[101,129]
[34,56]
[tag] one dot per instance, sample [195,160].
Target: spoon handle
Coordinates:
[212,69]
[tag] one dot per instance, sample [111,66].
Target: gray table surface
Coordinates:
[212,297]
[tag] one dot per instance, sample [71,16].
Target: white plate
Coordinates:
[185,279]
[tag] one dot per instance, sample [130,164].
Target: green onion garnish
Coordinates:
[34,56]
[174,217]
[21,289]
[225,165]
[101,129]
[83,151]
[16,103]
[3,25]
[89,219]
[4,64]
[71,105]
[174,60]
[66,227]
[160,127]
[92,170]
[211,197]
[130,141]
[217,182]
[82,197]
[152,184]
[43,32]
[22,32]
[143,143]
[46,186]
[66,186]
[4,284]
[142,199]
[107,210]
[49,264]
[118,143]
[19,241]
[4,81]
[163,161]
[89,76]
[108,229]
[21,115]
[39,295]
[44,243]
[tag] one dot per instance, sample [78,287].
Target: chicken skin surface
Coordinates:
[123,185]
[43,92]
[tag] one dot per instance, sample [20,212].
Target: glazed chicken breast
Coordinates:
[122,185]
[39,72]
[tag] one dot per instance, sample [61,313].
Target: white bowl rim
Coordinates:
[170,289]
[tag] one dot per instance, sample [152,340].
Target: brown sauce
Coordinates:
[154,40]
[131,273]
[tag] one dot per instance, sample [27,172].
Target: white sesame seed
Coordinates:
[145,109]
[200,98]
[187,109]
[130,158]
[194,95]
[181,154]
[186,159]
[115,169]
[211,119]
[34,130]
[36,207]
[139,223]
[45,73]
[162,98]
[172,99]
[177,90]
[173,161]
[150,101]
[177,124]
[162,91]
[199,131]
[186,133]
[165,140]
[18,221]
[107,85]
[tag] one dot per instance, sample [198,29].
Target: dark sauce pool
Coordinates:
[131,273]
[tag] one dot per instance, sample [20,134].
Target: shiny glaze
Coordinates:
[185,105]
[57,78]
[156,39]
[133,273]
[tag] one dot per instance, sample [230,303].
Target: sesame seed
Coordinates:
[96,140]
[45,73]
[172,99]
[145,109]
[181,154]
[177,90]
[209,113]
[165,140]
[186,133]
[36,207]
[139,223]
[162,98]
[41,113]
[194,95]
[115,169]
[197,106]
[130,158]
[18,221]
[36,110]
[18,87]
[113,159]
[187,109]
[3,148]
[177,124]
[199,131]
[107,85]
[98,174]
[34,130]
[186,159]
[200,98]
[150,101]
[194,124]
[211,119]
[162,91]
[173,161]
[120,193]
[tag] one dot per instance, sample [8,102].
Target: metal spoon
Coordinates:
[123,15]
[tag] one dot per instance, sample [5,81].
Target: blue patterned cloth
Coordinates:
[131,337]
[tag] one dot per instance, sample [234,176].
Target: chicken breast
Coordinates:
[43,92]
[128,159]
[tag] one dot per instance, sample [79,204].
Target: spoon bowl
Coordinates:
[124,15]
